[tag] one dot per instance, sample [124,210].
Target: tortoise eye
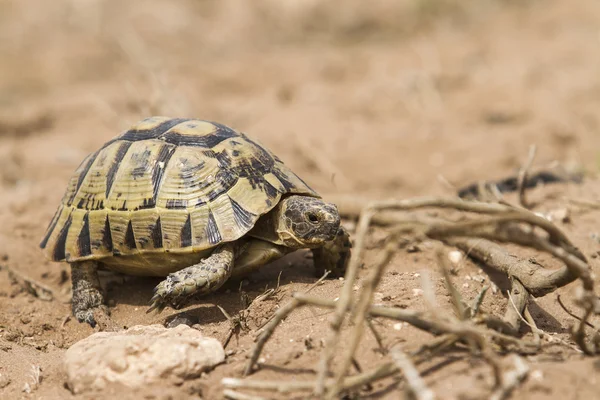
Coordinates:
[312,217]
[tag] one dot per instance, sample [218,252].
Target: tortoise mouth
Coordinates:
[328,230]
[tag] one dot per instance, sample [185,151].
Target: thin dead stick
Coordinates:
[417,319]
[233,395]
[590,204]
[511,379]
[435,346]
[360,313]
[565,309]
[36,288]
[478,301]
[518,298]
[359,380]
[548,280]
[311,287]
[537,333]
[376,335]
[231,329]
[575,264]
[579,335]
[457,303]
[353,207]
[527,318]
[475,338]
[516,308]
[537,280]
[416,385]
[269,328]
[463,328]
[507,214]
[381,372]
[359,369]
[522,177]
[279,386]
[344,299]
[66,319]
[513,234]
[558,245]
[557,237]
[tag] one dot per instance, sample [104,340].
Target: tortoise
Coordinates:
[190,200]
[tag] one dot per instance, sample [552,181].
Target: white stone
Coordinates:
[455,257]
[140,355]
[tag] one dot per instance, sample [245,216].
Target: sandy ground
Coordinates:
[380,100]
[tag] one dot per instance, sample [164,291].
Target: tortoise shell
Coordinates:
[167,185]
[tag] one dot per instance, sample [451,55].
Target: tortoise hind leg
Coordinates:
[202,278]
[333,256]
[87,293]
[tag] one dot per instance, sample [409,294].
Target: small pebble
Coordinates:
[537,375]
[182,319]
[561,215]
[413,249]
[455,257]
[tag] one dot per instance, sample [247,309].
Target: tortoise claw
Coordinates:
[156,303]
[168,292]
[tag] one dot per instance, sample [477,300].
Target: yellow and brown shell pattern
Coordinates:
[167,185]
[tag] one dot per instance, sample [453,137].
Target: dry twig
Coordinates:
[536,279]
[233,395]
[517,302]
[36,288]
[360,313]
[522,177]
[511,379]
[272,323]
[414,381]
[565,309]
[501,223]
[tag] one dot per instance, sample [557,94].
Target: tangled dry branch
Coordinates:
[477,233]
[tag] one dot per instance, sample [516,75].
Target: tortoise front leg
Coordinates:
[87,293]
[333,256]
[254,254]
[202,278]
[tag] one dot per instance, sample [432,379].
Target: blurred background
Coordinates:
[379,98]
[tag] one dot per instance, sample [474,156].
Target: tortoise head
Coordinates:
[307,222]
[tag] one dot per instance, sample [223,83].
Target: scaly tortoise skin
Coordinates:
[192,200]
